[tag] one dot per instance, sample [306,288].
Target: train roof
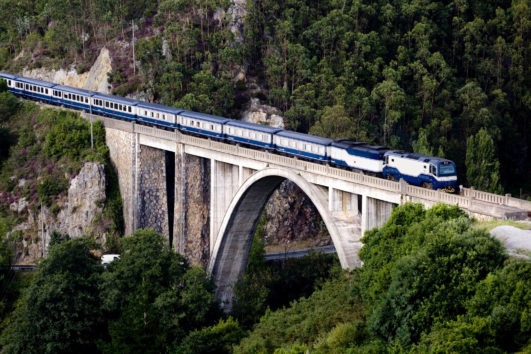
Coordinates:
[417,156]
[160,107]
[204,116]
[75,90]
[34,81]
[305,137]
[7,75]
[360,149]
[117,99]
[253,126]
[349,144]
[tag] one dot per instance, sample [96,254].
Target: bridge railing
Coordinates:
[438,196]
[506,199]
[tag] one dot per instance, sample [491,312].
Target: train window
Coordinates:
[106,104]
[163,117]
[433,170]
[129,108]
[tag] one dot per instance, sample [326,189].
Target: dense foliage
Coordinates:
[415,75]
[431,282]
[152,298]
[147,301]
[61,310]
[448,78]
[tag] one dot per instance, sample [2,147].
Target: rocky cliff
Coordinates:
[79,214]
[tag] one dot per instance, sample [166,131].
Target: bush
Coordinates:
[50,187]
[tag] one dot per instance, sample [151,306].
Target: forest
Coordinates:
[432,281]
[445,78]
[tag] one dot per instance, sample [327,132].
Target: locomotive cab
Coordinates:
[420,170]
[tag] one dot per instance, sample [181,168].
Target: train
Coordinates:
[416,169]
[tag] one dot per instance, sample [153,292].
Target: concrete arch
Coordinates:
[231,249]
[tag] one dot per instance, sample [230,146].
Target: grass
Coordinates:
[491,224]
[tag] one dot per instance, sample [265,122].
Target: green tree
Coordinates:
[497,318]
[421,268]
[214,339]
[61,310]
[152,298]
[434,284]
[421,145]
[334,123]
[482,166]
[391,99]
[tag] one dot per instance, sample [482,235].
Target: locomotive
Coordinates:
[416,169]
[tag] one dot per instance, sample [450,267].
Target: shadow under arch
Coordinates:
[231,249]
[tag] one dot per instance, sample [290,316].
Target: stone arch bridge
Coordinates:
[206,196]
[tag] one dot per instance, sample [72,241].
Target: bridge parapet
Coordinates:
[506,199]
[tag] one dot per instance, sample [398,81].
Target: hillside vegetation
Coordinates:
[41,150]
[448,78]
[432,282]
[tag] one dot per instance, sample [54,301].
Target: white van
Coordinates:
[106,259]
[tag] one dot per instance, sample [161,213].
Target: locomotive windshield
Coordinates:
[446,169]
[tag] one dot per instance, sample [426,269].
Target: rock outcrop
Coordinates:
[263,114]
[80,214]
[95,79]
[293,221]
[86,197]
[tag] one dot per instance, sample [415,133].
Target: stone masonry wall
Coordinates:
[192,208]
[122,151]
[152,201]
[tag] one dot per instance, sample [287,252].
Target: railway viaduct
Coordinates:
[206,197]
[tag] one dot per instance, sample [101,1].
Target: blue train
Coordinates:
[416,169]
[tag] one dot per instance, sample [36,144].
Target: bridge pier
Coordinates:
[225,180]
[374,213]
[152,196]
[192,212]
